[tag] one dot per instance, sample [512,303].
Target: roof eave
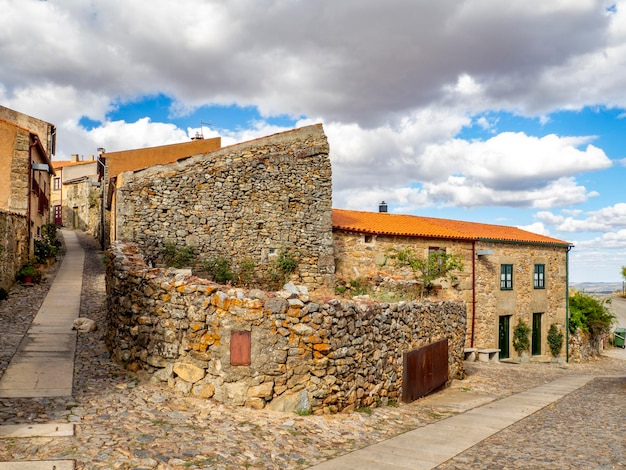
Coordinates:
[525,242]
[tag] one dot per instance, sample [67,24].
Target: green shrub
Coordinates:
[521,341]
[339,290]
[555,340]
[47,247]
[176,257]
[219,270]
[358,286]
[280,269]
[590,314]
[286,263]
[245,271]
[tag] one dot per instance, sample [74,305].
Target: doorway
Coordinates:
[504,328]
[57,215]
[536,336]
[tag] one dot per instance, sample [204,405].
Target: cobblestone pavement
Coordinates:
[123,421]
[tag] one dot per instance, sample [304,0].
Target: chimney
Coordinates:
[75,157]
[382,207]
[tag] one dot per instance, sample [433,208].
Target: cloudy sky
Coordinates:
[509,112]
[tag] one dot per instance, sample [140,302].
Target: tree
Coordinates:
[438,265]
[591,315]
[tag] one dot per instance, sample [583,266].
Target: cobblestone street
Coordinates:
[124,421]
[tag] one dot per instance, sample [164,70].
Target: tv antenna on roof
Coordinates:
[202,124]
[200,134]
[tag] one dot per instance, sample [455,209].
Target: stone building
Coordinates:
[25,179]
[136,159]
[508,273]
[75,197]
[249,202]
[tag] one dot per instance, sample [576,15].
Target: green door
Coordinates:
[503,336]
[536,339]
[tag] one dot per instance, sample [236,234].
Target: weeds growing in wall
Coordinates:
[177,257]
[219,270]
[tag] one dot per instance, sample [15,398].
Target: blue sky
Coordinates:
[509,113]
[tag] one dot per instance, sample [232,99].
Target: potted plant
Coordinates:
[28,274]
[521,341]
[555,341]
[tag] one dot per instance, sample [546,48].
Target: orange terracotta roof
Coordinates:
[63,163]
[414,226]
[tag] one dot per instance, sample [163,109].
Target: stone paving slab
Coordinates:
[43,365]
[38,465]
[431,445]
[456,400]
[36,430]
[27,378]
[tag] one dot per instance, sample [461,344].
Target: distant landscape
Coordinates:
[597,287]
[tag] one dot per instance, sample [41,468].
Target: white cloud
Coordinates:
[608,219]
[120,135]
[536,227]
[611,240]
[360,63]
[510,169]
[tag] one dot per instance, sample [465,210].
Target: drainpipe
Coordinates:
[473,291]
[567,303]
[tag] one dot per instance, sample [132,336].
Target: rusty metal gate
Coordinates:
[424,369]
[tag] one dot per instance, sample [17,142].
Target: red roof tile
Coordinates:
[382,223]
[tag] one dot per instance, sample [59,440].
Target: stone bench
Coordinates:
[489,355]
[470,354]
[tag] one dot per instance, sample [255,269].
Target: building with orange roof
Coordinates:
[509,274]
[76,194]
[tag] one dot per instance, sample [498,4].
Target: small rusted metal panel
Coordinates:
[240,348]
[409,374]
[440,364]
[424,369]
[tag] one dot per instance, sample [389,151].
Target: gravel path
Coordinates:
[124,421]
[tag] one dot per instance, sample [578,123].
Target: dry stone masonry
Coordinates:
[295,353]
[13,253]
[250,201]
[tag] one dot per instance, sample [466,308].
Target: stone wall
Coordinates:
[13,246]
[324,355]
[250,201]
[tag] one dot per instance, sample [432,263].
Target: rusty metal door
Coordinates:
[424,369]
